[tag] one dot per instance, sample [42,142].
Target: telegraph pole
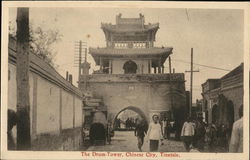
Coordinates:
[171,90]
[79,46]
[85,76]
[191,83]
[80,59]
[22,78]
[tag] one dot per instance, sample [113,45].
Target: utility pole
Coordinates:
[171,89]
[85,76]
[22,78]
[79,46]
[85,58]
[191,83]
[80,59]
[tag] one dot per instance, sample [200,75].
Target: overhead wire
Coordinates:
[202,65]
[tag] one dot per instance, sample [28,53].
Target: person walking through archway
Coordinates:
[140,131]
[154,134]
[118,123]
[109,132]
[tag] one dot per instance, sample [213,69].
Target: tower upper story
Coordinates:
[130,33]
[130,48]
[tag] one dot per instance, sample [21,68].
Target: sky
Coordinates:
[216,36]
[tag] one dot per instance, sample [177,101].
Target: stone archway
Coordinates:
[130,67]
[132,108]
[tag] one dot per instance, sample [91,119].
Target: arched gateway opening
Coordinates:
[126,119]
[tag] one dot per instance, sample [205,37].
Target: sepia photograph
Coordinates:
[123,82]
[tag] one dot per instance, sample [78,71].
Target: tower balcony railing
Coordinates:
[135,77]
[131,44]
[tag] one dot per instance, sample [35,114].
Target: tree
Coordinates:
[41,42]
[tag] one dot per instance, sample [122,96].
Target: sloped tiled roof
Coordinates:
[130,51]
[129,27]
[235,71]
[43,69]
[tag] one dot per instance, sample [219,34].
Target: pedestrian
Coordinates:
[131,124]
[211,137]
[12,121]
[164,127]
[223,137]
[127,123]
[187,133]
[178,128]
[109,133]
[119,123]
[168,129]
[174,128]
[199,135]
[154,134]
[236,143]
[140,132]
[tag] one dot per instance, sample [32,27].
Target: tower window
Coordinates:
[130,67]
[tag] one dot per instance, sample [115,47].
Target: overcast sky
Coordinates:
[216,36]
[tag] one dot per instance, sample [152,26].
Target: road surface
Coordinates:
[125,141]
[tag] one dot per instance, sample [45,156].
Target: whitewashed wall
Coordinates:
[45,112]
[78,115]
[67,110]
[48,106]
[55,104]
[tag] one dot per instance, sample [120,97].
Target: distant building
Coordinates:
[223,97]
[132,75]
[196,110]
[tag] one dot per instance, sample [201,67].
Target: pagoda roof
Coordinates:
[130,51]
[153,52]
[129,27]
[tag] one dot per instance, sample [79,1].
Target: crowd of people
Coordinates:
[129,123]
[196,135]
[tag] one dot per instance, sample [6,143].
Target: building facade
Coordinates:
[223,97]
[132,75]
